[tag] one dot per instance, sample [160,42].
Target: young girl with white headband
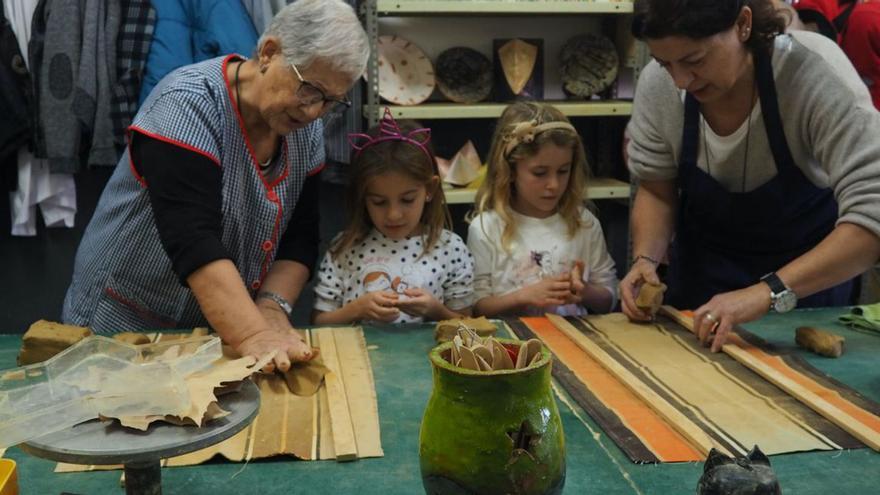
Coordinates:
[395,261]
[536,247]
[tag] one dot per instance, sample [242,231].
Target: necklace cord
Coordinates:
[237,93]
[263,165]
[746,152]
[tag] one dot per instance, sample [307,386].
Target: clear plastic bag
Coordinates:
[96,377]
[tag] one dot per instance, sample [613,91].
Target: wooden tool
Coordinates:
[650,297]
[819,341]
[45,339]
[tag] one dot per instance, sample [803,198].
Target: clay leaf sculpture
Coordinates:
[470,351]
[304,379]
[464,167]
[819,341]
[650,297]
[98,377]
[518,61]
[723,475]
[200,386]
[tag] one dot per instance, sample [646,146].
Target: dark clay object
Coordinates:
[750,475]
[464,75]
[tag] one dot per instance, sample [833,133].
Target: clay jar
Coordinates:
[491,432]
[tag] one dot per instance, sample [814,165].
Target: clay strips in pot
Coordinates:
[470,351]
[491,425]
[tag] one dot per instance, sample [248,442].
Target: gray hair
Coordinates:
[321,29]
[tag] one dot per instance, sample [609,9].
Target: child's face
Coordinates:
[395,203]
[541,180]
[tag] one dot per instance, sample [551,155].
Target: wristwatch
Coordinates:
[782,299]
[280,301]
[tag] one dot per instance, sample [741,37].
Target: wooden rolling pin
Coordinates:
[819,341]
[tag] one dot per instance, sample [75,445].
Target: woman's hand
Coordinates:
[287,346]
[642,271]
[377,306]
[420,302]
[714,320]
[552,291]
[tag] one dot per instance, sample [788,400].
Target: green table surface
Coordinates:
[594,463]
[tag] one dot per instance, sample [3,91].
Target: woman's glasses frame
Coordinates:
[309,94]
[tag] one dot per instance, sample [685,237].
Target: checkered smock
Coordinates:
[123,278]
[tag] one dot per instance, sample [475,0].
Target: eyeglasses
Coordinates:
[309,94]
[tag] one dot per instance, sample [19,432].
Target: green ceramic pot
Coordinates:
[491,433]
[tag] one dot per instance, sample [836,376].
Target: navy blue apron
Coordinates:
[727,240]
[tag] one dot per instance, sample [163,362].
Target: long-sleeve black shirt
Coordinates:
[185,190]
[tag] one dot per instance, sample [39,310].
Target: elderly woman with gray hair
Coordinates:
[211,215]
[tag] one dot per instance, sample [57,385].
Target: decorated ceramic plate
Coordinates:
[464,75]
[406,75]
[588,65]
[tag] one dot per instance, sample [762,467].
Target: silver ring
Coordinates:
[709,317]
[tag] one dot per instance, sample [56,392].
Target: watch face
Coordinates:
[785,301]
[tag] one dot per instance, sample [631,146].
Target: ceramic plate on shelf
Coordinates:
[406,75]
[588,65]
[464,75]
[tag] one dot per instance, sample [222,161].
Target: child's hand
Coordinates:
[378,306]
[577,283]
[553,291]
[419,302]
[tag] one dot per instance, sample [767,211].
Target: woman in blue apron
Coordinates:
[753,180]
[210,217]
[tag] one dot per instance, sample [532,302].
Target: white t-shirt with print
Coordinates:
[380,264]
[541,248]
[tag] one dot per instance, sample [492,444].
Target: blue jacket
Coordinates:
[190,31]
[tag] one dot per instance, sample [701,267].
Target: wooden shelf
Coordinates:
[599,188]
[427,7]
[606,108]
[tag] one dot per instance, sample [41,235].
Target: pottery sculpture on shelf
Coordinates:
[492,432]
[463,168]
[588,65]
[519,69]
[406,76]
[464,75]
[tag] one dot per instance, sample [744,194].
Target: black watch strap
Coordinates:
[775,283]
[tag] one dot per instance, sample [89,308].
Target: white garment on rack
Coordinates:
[19,13]
[54,193]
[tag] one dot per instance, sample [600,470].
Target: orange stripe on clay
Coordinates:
[830,395]
[667,444]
